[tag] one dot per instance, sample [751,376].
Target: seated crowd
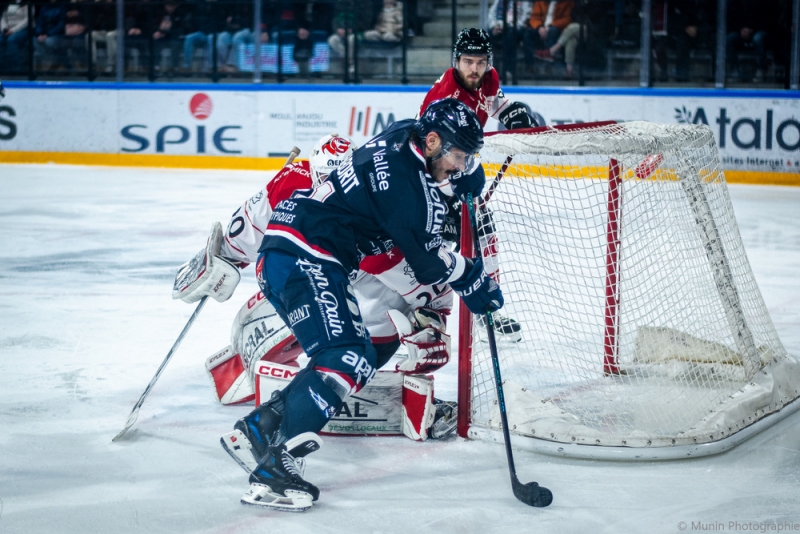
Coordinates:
[547,38]
[549,31]
[166,35]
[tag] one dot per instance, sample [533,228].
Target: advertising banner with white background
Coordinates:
[755,130]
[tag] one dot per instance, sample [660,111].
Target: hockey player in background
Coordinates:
[389,193]
[474,81]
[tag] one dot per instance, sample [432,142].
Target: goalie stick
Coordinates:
[531,493]
[135,412]
[293,154]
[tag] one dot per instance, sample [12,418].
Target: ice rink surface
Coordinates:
[87,261]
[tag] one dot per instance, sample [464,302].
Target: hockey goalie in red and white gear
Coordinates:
[263,350]
[258,332]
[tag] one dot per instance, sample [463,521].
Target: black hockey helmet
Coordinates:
[457,125]
[472,41]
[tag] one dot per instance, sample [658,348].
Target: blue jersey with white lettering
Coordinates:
[382,191]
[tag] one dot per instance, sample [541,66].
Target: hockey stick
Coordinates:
[293,154]
[135,412]
[531,493]
[497,178]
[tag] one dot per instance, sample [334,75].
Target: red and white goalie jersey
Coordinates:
[248,223]
[487,101]
[263,351]
[385,282]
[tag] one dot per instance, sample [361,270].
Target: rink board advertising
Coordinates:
[755,131]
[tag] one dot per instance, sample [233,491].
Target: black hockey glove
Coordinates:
[479,292]
[469,183]
[516,116]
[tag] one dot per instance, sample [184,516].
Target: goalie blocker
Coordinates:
[264,357]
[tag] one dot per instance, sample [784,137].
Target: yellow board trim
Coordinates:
[601,172]
[274,164]
[762,178]
[145,160]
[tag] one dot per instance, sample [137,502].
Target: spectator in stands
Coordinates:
[237,17]
[207,18]
[781,41]
[49,31]
[169,21]
[13,35]
[627,31]
[74,38]
[747,26]
[389,28]
[305,27]
[137,28]
[352,17]
[689,26]
[104,30]
[568,41]
[508,41]
[244,37]
[547,22]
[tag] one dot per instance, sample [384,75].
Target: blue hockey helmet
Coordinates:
[457,125]
[472,42]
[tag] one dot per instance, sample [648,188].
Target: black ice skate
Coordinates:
[277,482]
[505,328]
[253,434]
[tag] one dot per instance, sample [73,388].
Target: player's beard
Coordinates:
[471,82]
[441,169]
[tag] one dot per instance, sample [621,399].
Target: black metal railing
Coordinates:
[224,39]
[613,42]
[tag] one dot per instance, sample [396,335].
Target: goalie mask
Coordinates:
[328,153]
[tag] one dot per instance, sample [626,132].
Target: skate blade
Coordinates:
[262,495]
[239,448]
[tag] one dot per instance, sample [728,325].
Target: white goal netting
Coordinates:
[641,322]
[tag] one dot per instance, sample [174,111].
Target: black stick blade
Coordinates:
[532,493]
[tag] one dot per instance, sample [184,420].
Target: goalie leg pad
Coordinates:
[232,385]
[418,407]
[258,333]
[384,407]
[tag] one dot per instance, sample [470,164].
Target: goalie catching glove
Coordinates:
[478,290]
[207,274]
[427,344]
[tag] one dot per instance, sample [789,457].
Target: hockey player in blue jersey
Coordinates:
[390,192]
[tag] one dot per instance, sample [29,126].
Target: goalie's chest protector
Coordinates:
[382,192]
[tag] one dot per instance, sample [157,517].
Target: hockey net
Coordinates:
[641,322]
